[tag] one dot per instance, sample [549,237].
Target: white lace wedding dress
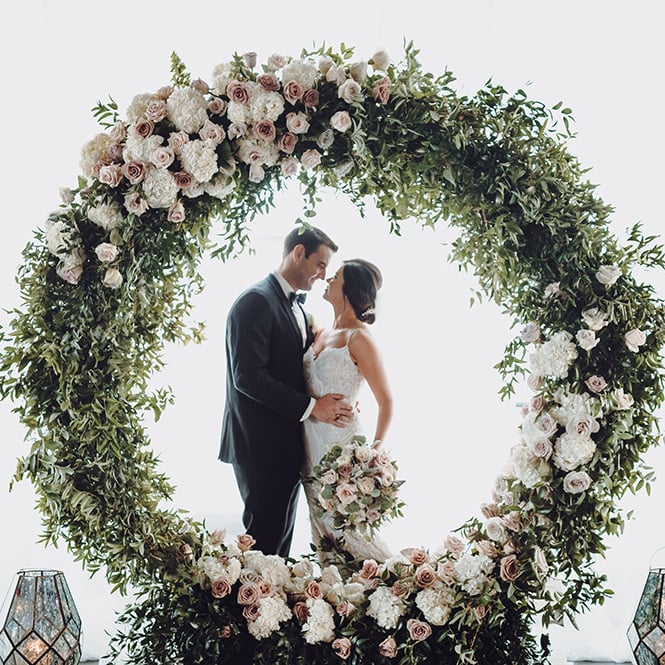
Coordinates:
[333,371]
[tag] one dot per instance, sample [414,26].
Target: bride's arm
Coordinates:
[366,356]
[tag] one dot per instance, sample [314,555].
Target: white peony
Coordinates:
[528,468]
[221,75]
[220,186]
[572,449]
[106,215]
[187,109]
[265,105]
[159,188]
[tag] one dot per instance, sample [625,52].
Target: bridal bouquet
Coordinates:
[356,486]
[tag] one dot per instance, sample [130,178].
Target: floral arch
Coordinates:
[110,279]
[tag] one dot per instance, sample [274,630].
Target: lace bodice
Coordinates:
[332,371]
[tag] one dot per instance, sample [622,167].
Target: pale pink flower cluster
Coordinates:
[356,486]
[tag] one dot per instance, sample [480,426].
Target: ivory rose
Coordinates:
[634,339]
[341,121]
[297,123]
[350,91]
[576,482]
[112,278]
[380,60]
[587,339]
[608,274]
[310,158]
[106,252]
[596,384]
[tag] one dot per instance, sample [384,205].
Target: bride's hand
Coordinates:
[333,409]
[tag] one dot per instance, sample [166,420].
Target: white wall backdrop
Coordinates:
[450,434]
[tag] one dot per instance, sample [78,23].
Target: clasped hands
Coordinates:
[333,409]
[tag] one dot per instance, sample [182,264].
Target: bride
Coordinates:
[338,361]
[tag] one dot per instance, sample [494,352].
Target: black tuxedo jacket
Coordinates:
[265,387]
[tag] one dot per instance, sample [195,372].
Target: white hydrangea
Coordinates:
[220,186]
[320,624]
[159,188]
[554,357]
[221,75]
[137,107]
[106,215]
[265,105]
[59,237]
[140,149]
[435,604]
[93,152]
[528,468]
[238,114]
[472,571]
[385,608]
[200,159]
[302,72]
[187,109]
[572,450]
[272,611]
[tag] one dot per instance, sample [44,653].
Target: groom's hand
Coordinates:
[334,409]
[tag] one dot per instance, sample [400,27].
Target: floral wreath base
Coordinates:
[110,280]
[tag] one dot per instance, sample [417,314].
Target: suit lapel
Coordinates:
[285,306]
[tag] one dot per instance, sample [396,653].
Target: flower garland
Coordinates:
[110,280]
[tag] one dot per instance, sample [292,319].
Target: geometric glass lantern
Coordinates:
[41,624]
[647,631]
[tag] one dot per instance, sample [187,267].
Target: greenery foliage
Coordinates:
[80,351]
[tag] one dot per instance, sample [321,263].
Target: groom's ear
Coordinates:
[298,253]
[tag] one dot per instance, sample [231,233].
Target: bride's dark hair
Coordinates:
[362,280]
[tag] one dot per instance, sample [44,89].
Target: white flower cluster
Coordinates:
[320,624]
[554,357]
[472,571]
[436,604]
[272,611]
[385,608]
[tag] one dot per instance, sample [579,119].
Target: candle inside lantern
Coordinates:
[38,652]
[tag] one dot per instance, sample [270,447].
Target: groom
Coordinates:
[267,333]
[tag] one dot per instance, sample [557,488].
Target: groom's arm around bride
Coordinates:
[266,396]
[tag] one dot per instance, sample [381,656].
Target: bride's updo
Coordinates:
[362,280]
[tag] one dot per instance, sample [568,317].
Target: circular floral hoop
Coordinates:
[110,279]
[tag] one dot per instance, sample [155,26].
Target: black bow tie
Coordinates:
[300,297]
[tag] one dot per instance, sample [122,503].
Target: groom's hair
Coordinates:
[308,236]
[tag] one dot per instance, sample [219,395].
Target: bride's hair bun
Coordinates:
[362,280]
